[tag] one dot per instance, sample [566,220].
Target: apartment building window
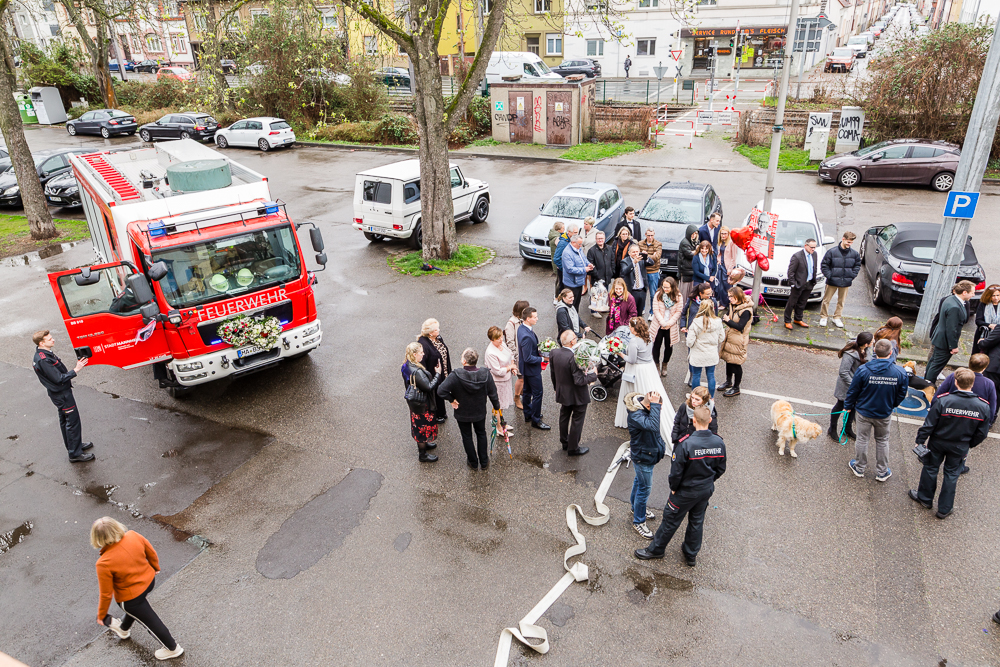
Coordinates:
[172,9]
[543,6]
[330,19]
[648,4]
[553,44]
[178,43]
[597,5]
[595,47]
[532,42]
[645,47]
[257,14]
[153,43]
[200,22]
[371,45]
[487,6]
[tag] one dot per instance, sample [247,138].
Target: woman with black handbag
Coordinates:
[421,397]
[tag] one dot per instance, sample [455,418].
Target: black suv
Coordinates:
[671,209]
[578,66]
[49,164]
[191,125]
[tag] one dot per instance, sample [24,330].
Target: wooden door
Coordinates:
[520,116]
[558,118]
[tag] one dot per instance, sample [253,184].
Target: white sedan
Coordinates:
[264,133]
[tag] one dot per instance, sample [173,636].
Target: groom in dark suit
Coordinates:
[572,387]
[529,363]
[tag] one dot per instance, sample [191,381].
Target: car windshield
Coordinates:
[669,234]
[793,233]
[569,207]
[923,251]
[542,67]
[842,53]
[227,267]
[208,120]
[871,149]
[674,209]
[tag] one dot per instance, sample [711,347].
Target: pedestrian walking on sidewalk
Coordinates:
[628,65]
[435,353]
[686,250]
[58,382]
[955,423]
[684,418]
[665,327]
[704,337]
[510,340]
[840,266]
[468,389]
[851,356]
[572,386]
[737,319]
[802,272]
[983,387]
[696,463]
[877,389]
[423,420]
[500,361]
[987,315]
[126,570]
[646,449]
[946,330]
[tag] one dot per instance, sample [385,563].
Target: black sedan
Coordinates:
[49,164]
[191,125]
[673,207]
[897,259]
[105,122]
[150,66]
[585,66]
[63,190]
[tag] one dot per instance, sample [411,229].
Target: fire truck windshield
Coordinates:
[223,268]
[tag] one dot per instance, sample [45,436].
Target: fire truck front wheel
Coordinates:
[179,392]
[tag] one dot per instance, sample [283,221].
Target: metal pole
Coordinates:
[739,60]
[711,85]
[968,178]
[802,66]
[779,118]
[659,80]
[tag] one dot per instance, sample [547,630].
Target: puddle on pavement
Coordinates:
[12,538]
[44,253]
[649,583]
[559,613]
[477,292]
[101,491]
[475,528]
[402,542]
[531,458]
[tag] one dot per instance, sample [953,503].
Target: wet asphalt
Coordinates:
[297,527]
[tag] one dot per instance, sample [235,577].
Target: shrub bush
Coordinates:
[364,132]
[394,128]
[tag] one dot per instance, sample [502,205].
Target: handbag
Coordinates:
[415,398]
[628,377]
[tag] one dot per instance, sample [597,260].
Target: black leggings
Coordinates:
[835,418]
[662,339]
[138,609]
[734,372]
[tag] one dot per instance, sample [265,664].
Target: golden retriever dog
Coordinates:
[782,420]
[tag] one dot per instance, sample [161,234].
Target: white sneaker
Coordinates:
[643,530]
[822,321]
[839,322]
[116,627]
[167,654]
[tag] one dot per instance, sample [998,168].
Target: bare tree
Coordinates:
[104,13]
[35,208]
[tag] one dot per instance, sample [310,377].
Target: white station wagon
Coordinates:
[387,201]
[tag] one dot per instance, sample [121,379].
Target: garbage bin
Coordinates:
[24,106]
[48,105]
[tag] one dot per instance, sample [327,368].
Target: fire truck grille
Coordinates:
[210,330]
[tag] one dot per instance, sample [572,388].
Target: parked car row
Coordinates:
[50,165]
[916,161]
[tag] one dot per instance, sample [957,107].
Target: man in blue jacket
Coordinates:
[529,364]
[710,232]
[646,449]
[574,269]
[877,389]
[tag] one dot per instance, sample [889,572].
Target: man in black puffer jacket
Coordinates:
[840,266]
[685,254]
[467,389]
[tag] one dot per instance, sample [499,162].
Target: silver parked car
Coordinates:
[573,203]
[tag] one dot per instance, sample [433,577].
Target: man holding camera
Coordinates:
[54,376]
[955,422]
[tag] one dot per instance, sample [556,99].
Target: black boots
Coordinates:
[424,456]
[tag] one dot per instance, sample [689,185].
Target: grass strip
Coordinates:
[466,257]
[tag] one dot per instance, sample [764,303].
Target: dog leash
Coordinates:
[842,440]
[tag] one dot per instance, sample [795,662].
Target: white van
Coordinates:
[512,63]
[387,201]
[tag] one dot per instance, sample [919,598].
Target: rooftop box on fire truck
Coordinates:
[200,273]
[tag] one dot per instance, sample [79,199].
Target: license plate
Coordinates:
[55,199]
[288,141]
[377,230]
[248,351]
[775,290]
[543,250]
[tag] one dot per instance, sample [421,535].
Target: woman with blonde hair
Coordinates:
[621,305]
[737,319]
[500,361]
[665,326]
[126,570]
[705,335]
[510,340]
[435,353]
[423,423]
[639,375]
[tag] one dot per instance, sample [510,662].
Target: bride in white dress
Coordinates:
[640,375]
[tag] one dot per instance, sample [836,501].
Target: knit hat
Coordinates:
[632,401]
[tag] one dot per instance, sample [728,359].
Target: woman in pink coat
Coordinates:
[621,305]
[664,327]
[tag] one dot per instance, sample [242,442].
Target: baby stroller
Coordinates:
[610,367]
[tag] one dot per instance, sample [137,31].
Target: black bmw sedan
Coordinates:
[105,122]
[897,259]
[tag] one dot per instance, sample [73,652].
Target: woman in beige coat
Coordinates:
[738,318]
[664,327]
[705,335]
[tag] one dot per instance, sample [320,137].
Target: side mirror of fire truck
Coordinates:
[316,237]
[144,297]
[87,277]
[158,271]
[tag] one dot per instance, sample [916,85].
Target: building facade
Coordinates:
[161,35]
[537,27]
[35,22]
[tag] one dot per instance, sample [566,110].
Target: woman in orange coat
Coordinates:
[127,569]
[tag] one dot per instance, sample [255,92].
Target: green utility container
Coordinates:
[26,109]
[199,175]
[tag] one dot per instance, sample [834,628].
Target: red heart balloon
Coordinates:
[763,263]
[741,237]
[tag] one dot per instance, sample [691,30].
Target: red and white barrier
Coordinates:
[658,128]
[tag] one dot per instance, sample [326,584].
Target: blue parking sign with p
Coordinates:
[961,205]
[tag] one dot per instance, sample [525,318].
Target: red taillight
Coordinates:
[271,134]
[112,122]
[398,228]
[199,128]
[981,286]
[900,279]
[359,221]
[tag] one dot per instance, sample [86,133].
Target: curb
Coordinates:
[414,151]
[957,361]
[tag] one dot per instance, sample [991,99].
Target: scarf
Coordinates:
[574,317]
[443,351]
[992,314]
[615,313]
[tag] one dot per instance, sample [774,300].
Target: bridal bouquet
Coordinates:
[546,346]
[614,345]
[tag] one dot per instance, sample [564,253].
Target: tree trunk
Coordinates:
[35,208]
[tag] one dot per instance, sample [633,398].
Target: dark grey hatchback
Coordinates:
[918,161]
[673,207]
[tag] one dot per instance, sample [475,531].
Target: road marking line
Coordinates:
[828,406]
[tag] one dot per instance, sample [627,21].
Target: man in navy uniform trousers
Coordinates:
[54,376]
[698,460]
[529,363]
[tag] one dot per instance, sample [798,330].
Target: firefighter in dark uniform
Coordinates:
[54,376]
[955,422]
[698,460]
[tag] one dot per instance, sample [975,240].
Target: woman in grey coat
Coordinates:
[851,356]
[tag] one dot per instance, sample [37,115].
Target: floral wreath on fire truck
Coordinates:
[242,331]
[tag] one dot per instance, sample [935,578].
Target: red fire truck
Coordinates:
[199,271]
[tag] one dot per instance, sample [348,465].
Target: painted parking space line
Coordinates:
[829,406]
